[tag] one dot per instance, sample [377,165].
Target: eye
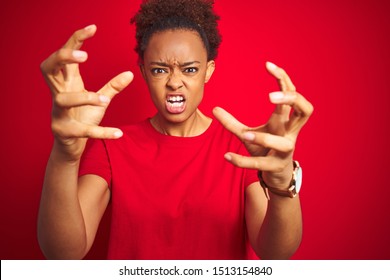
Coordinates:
[156,71]
[191,70]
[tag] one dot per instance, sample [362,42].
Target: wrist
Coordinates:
[288,190]
[68,152]
[278,180]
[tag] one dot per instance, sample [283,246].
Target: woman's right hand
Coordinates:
[77,113]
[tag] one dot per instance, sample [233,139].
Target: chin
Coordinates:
[175,118]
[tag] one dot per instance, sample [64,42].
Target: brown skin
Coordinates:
[175,64]
[71,207]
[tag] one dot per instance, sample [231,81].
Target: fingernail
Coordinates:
[104,99]
[276,96]
[89,27]
[79,54]
[271,66]
[228,157]
[249,136]
[129,73]
[118,133]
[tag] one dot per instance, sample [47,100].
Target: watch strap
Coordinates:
[289,192]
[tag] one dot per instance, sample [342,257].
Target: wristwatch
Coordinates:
[293,188]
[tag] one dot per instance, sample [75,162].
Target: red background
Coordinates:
[336,52]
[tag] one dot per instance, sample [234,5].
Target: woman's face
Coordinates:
[175,69]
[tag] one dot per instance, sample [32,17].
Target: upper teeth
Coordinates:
[176,98]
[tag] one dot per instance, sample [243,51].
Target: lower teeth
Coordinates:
[176,104]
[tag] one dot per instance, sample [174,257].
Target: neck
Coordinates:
[194,126]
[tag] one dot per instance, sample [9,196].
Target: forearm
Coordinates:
[281,231]
[61,228]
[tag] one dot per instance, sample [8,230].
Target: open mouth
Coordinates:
[176,101]
[175,104]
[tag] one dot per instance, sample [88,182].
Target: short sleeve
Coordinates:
[250,177]
[95,160]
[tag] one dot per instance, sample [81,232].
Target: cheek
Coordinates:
[196,91]
[156,88]
[200,86]
[197,83]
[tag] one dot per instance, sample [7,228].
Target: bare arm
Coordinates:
[274,226]
[71,208]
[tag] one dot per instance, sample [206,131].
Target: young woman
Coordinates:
[182,185]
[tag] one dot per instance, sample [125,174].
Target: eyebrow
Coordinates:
[163,64]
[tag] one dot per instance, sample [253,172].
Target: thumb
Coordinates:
[117,84]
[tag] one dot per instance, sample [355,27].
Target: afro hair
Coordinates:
[160,15]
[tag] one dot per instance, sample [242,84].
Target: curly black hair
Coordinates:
[160,15]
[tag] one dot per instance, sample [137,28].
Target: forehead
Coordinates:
[175,46]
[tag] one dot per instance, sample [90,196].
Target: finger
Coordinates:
[259,163]
[281,112]
[269,141]
[75,42]
[56,61]
[117,84]
[99,132]
[65,55]
[74,129]
[74,99]
[284,80]
[285,84]
[78,37]
[294,99]
[69,55]
[229,122]
[302,108]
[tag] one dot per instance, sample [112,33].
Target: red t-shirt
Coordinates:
[173,197]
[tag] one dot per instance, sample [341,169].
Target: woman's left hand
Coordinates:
[271,145]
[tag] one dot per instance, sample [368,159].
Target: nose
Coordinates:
[175,80]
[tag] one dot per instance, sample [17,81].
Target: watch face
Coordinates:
[298,179]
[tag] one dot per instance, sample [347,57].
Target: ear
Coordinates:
[210,70]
